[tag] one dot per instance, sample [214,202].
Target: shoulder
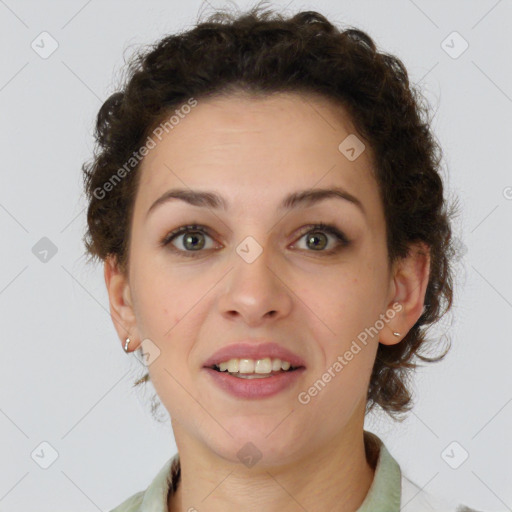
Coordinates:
[394,489]
[154,497]
[132,504]
[415,499]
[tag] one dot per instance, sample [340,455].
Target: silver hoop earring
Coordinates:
[127,342]
[397,334]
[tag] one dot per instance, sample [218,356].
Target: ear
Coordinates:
[410,277]
[121,308]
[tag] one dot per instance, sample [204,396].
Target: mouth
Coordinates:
[252,386]
[254,369]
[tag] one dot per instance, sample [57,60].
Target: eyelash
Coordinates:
[340,237]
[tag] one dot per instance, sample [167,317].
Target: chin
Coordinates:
[258,442]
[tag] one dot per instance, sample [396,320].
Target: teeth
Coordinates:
[246,366]
[263,365]
[258,366]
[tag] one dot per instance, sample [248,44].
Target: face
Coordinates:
[258,271]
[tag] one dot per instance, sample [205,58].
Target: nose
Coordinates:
[255,290]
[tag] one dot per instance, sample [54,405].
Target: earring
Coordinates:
[397,334]
[127,342]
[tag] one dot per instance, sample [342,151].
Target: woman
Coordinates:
[268,207]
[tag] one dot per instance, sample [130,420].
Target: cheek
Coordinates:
[350,308]
[345,304]
[344,382]
[161,301]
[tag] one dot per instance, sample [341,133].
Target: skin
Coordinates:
[254,151]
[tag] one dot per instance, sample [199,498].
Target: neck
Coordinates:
[336,477]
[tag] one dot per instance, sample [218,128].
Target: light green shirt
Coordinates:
[385,493]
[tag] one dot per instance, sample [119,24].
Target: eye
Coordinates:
[194,240]
[317,239]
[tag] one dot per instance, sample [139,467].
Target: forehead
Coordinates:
[245,146]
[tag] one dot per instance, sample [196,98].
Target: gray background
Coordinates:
[65,379]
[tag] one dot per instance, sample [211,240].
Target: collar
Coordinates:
[385,492]
[383,495]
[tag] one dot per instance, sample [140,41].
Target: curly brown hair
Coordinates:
[262,52]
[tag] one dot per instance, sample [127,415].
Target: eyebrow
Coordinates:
[298,199]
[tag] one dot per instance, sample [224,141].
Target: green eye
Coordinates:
[193,241]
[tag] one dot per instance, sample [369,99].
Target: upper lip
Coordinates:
[248,349]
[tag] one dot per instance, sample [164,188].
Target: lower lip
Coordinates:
[255,388]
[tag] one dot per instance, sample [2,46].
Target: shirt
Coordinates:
[390,491]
